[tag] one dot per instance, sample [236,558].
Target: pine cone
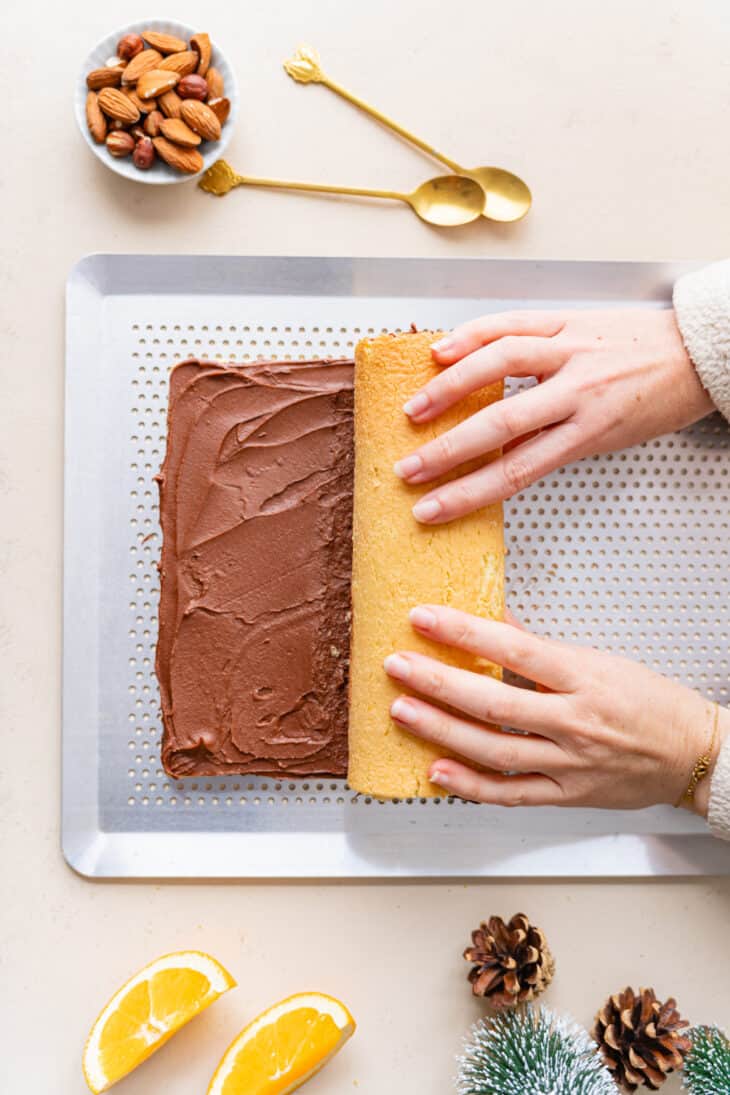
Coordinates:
[640,1038]
[513,963]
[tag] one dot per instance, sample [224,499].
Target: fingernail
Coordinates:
[426,509]
[397,666]
[417,404]
[403,710]
[442,344]
[441,778]
[422,617]
[408,466]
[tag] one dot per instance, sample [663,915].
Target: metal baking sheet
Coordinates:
[628,552]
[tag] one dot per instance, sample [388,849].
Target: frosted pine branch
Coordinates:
[531,1052]
[707,1065]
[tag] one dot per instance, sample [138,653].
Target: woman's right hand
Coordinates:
[602,731]
[608,379]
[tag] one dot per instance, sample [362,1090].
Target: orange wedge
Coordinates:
[284,1047]
[148,1010]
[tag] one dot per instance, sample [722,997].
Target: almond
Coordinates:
[170,104]
[181,63]
[156,82]
[165,43]
[144,106]
[214,81]
[221,108]
[141,63]
[188,160]
[116,105]
[201,44]
[201,119]
[176,131]
[104,77]
[153,121]
[95,118]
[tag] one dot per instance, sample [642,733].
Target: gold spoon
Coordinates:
[508,197]
[446,201]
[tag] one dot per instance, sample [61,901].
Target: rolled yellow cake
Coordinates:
[399,563]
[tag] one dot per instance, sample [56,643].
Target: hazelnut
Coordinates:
[119,143]
[192,87]
[129,46]
[152,123]
[144,154]
[137,132]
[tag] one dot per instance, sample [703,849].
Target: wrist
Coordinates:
[705,729]
[699,402]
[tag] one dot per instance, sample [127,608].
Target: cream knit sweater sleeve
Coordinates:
[718,814]
[702,307]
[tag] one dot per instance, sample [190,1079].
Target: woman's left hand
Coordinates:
[606,731]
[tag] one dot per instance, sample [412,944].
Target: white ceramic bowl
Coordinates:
[160,174]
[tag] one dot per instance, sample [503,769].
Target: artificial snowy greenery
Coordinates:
[531,1052]
[707,1065]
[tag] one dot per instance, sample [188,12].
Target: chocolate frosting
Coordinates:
[254,616]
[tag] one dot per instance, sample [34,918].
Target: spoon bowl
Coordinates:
[448,200]
[508,196]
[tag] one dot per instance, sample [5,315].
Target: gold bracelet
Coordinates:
[703,763]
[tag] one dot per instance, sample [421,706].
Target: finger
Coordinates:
[488,430]
[509,445]
[496,789]
[508,475]
[489,748]
[476,694]
[512,356]
[531,656]
[479,332]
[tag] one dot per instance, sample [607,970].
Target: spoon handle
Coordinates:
[386,121]
[305,68]
[281,184]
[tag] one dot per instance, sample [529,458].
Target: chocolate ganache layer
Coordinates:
[254,617]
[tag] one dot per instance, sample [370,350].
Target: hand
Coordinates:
[608,733]
[608,380]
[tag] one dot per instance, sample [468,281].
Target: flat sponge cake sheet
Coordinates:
[398,563]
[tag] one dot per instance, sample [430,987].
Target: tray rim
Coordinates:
[96,854]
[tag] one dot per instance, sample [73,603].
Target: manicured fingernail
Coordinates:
[441,778]
[426,509]
[408,466]
[397,666]
[422,617]
[417,404]
[442,344]
[402,710]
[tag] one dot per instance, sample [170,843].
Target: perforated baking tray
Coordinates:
[629,552]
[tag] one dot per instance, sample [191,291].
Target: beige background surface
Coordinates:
[617,114]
